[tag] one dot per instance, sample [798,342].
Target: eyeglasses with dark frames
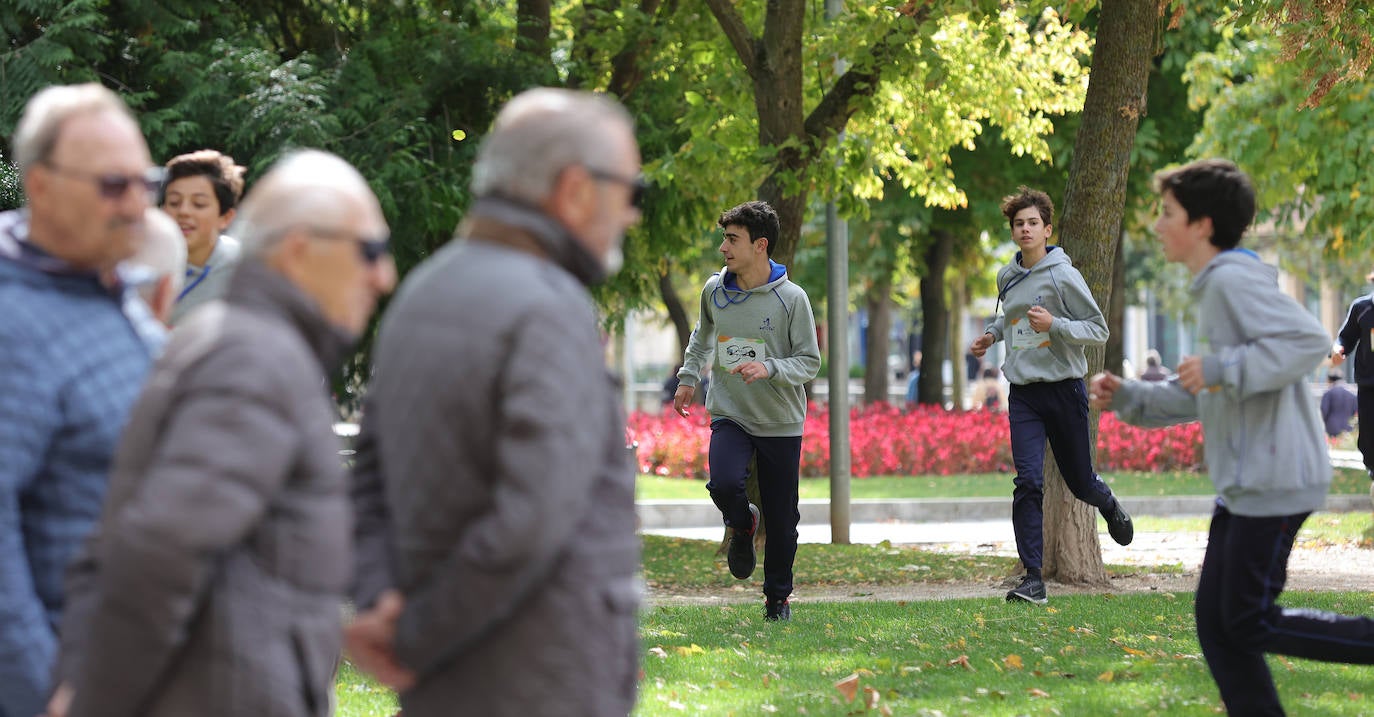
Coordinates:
[638,185]
[370,249]
[114,186]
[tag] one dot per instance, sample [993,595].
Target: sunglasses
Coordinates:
[638,185]
[370,249]
[114,186]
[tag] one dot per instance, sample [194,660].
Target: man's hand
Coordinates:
[1337,355]
[61,701]
[751,371]
[682,399]
[370,642]
[1190,374]
[1040,318]
[1102,388]
[980,345]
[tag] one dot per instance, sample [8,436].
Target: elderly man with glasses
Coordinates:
[213,582]
[75,345]
[496,518]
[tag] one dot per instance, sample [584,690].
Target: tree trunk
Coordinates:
[934,319]
[532,23]
[958,292]
[1116,313]
[879,340]
[677,313]
[1094,202]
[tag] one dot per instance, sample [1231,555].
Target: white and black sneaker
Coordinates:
[1031,589]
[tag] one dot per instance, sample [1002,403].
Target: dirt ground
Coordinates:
[1313,566]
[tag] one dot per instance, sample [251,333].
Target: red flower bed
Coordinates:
[924,441]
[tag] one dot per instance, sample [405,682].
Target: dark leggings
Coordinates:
[1239,619]
[779,466]
[1056,411]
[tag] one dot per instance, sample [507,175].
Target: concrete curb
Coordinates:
[663,514]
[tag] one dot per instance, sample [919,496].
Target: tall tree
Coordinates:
[1089,229]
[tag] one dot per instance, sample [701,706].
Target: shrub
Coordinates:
[927,440]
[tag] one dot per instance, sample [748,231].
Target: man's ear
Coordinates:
[762,244]
[1049,230]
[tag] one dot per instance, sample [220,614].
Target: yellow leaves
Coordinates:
[693,649]
[1012,662]
[1107,676]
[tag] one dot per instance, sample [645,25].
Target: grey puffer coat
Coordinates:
[213,584]
[493,485]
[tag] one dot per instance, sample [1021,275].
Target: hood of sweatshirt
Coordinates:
[727,291]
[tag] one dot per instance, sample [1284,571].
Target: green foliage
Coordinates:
[44,42]
[1311,166]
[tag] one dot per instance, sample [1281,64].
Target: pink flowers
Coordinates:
[924,441]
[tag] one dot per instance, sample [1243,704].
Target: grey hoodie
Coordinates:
[1264,444]
[771,323]
[1057,354]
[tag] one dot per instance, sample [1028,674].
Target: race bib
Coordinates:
[1023,337]
[733,350]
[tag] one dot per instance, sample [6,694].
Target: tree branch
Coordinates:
[832,113]
[732,24]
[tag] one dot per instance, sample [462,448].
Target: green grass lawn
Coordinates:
[1356,527]
[1081,655]
[981,485]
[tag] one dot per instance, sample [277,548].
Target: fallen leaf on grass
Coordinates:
[658,652]
[870,698]
[962,661]
[1037,692]
[694,649]
[1012,662]
[849,687]
[1107,676]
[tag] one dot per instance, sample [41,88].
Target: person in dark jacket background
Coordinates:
[1354,339]
[1338,406]
[497,552]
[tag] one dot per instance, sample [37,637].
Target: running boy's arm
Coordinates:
[805,361]
[1152,403]
[1283,342]
[1085,325]
[1348,338]
[700,348]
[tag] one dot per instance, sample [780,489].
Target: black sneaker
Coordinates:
[741,556]
[1118,523]
[1031,589]
[775,610]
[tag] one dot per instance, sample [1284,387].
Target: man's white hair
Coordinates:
[163,251]
[48,109]
[306,188]
[540,133]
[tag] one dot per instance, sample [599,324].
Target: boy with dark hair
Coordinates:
[1050,317]
[202,193]
[1264,445]
[756,327]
